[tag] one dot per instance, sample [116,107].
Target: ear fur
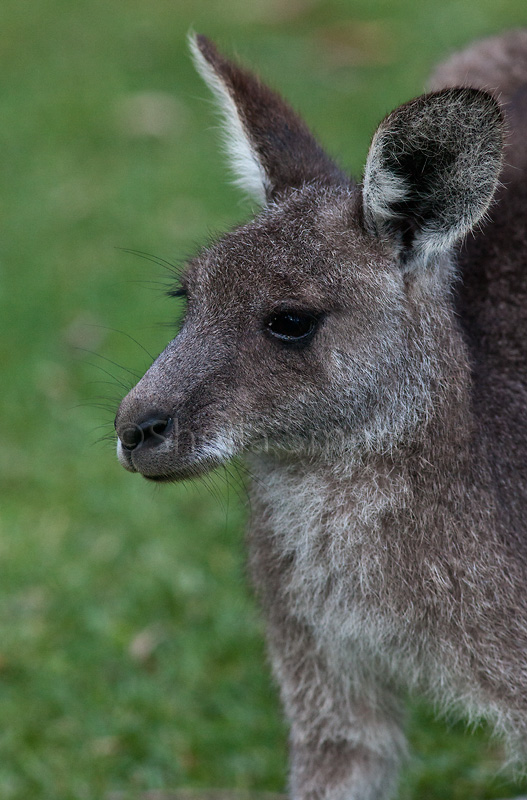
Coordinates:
[245,164]
[431,171]
[269,147]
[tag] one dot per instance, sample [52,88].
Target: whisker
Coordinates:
[243,468]
[104,425]
[103,383]
[106,440]
[109,360]
[238,484]
[161,262]
[171,326]
[102,406]
[118,382]
[129,336]
[154,285]
[209,482]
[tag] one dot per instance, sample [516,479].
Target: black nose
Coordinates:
[151,432]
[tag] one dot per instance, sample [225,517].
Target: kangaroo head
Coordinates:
[326,322]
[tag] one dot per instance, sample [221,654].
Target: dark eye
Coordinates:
[292,326]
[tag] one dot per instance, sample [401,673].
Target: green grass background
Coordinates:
[131,654]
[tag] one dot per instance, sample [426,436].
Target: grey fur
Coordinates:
[388,541]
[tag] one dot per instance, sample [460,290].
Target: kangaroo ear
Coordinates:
[269,147]
[431,171]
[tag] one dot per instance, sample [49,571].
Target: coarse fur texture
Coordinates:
[369,360]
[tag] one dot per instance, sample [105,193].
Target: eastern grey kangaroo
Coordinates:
[369,360]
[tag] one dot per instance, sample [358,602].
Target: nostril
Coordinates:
[152,431]
[159,427]
[131,437]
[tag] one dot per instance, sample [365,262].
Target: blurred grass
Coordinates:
[131,654]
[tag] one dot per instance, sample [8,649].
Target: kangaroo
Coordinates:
[368,359]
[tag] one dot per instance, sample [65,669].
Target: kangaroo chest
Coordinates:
[332,552]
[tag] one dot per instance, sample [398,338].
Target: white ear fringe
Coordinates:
[382,189]
[249,174]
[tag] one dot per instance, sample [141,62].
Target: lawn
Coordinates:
[131,650]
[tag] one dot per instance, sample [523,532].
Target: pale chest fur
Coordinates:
[352,558]
[332,537]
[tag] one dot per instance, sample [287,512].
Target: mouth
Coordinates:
[190,473]
[124,457]
[198,465]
